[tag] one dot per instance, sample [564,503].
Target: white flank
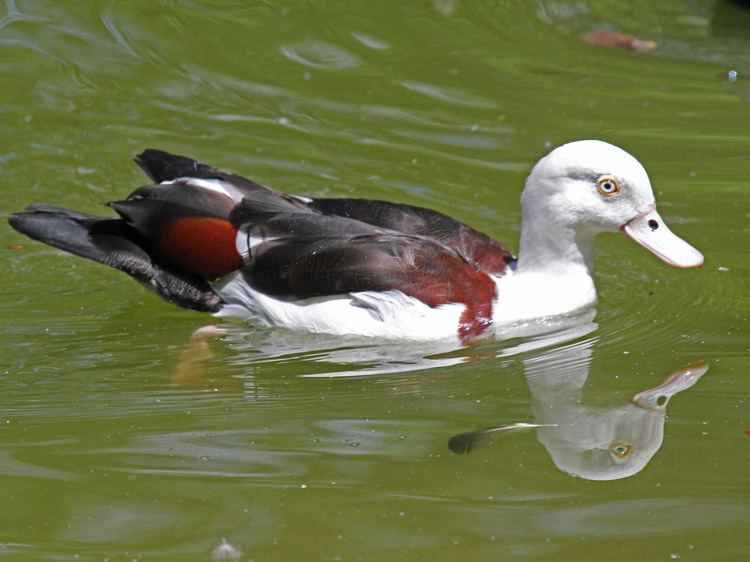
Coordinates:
[390,314]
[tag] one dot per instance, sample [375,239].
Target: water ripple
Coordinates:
[320,55]
[450,95]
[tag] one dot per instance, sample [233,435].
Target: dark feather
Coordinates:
[476,247]
[113,242]
[162,166]
[320,266]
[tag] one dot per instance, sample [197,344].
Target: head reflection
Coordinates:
[587,441]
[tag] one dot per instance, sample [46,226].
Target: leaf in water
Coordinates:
[609,38]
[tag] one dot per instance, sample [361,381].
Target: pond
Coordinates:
[128,434]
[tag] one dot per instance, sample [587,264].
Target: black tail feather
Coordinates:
[163,166]
[113,242]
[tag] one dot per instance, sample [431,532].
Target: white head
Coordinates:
[586,187]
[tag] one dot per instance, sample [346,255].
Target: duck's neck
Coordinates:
[557,251]
[554,275]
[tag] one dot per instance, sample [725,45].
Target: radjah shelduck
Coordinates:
[213,241]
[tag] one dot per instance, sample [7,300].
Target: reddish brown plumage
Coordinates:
[456,282]
[201,245]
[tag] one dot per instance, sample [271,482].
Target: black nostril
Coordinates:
[653,225]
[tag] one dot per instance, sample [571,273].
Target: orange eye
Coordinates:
[621,450]
[608,186]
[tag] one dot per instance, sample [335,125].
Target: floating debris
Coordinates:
[608,38]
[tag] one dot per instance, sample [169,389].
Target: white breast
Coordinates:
[539,296]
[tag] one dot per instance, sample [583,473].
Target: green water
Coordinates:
[122,437]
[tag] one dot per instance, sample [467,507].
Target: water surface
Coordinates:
[123,436]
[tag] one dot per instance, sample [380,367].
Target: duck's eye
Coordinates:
[608,186]
[621,450]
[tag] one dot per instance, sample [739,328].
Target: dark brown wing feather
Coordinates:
[306,255]
[477,248]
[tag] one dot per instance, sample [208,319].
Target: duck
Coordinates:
[209,240]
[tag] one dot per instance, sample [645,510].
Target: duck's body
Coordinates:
[213,241]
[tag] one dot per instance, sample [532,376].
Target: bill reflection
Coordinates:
[591,442]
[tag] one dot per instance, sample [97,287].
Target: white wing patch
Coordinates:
[245,241]
[215,185]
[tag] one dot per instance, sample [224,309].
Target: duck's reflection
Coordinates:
[592,442]
[588,441]
[328,356]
